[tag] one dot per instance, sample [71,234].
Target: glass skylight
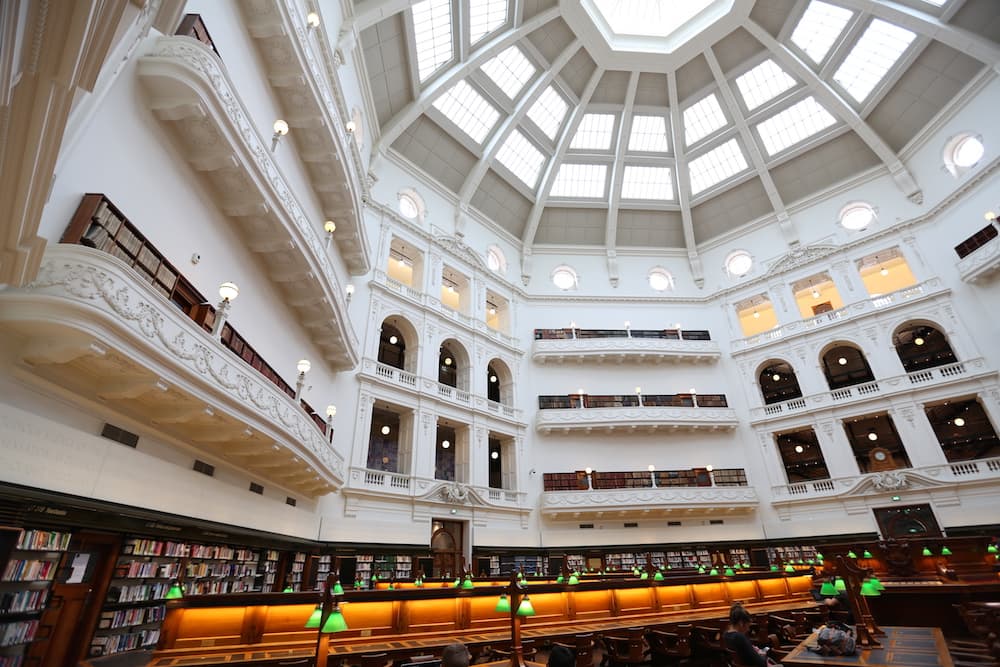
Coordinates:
[819,28]
[648,18]
[548,112]
[469,110]
[702,119]
[649,133]
[872,57]
[485,16]
[594,132]
[580,180]
[794,124]
[716,166]
[432,35]
[647,183]
[763,83]
[510,70]
[522,158]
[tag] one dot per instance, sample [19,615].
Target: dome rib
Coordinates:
[618,167]
[683,180]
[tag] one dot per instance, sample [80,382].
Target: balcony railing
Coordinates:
[647,502]
[623,345]
[847,313]
[642,479]
[584,401]
[866,390]
[402,485]
[979,255]
[581,334]
[630,411]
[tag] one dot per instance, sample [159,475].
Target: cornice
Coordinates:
[564,420]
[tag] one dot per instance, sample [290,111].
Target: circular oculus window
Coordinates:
[660,279]
[968,151]
[739,263]
[857,216]
[564,277]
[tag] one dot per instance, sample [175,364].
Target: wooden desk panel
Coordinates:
[901,647]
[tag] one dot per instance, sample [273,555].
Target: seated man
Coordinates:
[835,603]
[455,655]
[737,641]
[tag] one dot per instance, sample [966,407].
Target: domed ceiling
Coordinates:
[661,123]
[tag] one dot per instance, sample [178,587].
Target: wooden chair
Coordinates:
[707,641]
[671,646]
[503,651]
[582,647]
[374,659]
[625,650]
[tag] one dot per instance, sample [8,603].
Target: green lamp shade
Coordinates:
[573,580]
[576,572]
[520,575]
[419,583]
[810,561]
[828,589]
[338,589]
[335,622]
[945,551]
[525,608]
[774,568]
[644,575]
[840,584]
[315,617]
[374,577]
[559,579]
[851,554]
[658,576]
[457,582]
[728,572]
[714,571]
[467,584]
[879,586]
[926,552]
[992,549]
[701,570]
[867,554]
[391,587]
[819,557]
[288,589]
[175,592]
[868,589]
[357,583]
[789,568]
[503,605]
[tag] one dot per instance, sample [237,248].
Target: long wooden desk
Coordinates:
[901,647]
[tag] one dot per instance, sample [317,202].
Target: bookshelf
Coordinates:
[576,562]
[739,556]
[296,571]
[789,554]
[28,573]
[528,564]
[267,570]
[323,566]
[494,566]
[363,569]
[689,558]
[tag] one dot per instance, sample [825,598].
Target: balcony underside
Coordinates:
[624,350]
[635,420]
[671,503]
[983,265]
[189,92]
[88,330]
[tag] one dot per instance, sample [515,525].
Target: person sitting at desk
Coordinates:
[737,641]
[455,655]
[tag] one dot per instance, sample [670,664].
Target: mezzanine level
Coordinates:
[979,255]
[649,503]
[634,412]
[623,345]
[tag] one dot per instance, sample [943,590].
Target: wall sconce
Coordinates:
[638,395]
[445,444]
[652,474]
[580,393]
[349,290]
[312,20]
[385,430]
[280,130]
[590,484]
[329,227]
[572,329]
[628,328]
[331,412]
[303,367]
[228,293]
[351,127]
[990,216]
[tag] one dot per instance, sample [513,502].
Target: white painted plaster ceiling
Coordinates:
[561,131]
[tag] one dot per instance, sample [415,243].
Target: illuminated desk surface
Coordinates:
[901,647]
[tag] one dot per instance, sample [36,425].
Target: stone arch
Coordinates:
[844,363]
[398,343]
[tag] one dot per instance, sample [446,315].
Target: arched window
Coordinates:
[392,347]
[778,383]
[921,346]
[492,384]
[845,365]
[447,367]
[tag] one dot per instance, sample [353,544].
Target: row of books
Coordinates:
[142,547]
[30,570]
[221,569]
[138,569]
[19,632]
[115,643]
[138,592]
[17,602]
[135,616]
[43,540]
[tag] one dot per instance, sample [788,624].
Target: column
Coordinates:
[773,465]
[922,446]
[424,444]
[783,302]
[881,354]
[809,370]
[405,443]
[847,282]
[384,243]
[836,448]
[432,281]
[363,427]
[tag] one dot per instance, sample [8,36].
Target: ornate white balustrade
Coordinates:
[982,264]
[413,489]
[92,330]
[624,349]
[679,502]
[856,493]
[850,313]
[929,377]
[635,418]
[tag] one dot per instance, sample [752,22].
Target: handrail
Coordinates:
[662,334]
[643,479]
[577,401]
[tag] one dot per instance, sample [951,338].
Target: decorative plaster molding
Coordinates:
[624,502]
[639,350]
[982,265]
[631,418]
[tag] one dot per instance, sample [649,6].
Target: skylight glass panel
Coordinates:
[819,28]
[702,119]
[649,134]
[485,16]
[548,112]
[649,18]
[647,183]
[594,132]
[510,70]
[432,35]
[522,158]
[763,83]
[716,166]
[580,180]
[872,57]
[469,110]
[794,124]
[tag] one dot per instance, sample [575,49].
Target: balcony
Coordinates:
[979,255]
[365,482]
[649,503]
[877,389]
[634,412]
[860,492]
[854,312]
[188,90]
[623,346]
[91,328]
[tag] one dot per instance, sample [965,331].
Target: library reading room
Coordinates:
[521,333]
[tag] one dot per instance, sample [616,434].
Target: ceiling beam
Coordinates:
[615,183]
[683,180]
[841,108]
[370,12]
[552,168]
[458,71]
[780,211]
[922,23]
[494,143]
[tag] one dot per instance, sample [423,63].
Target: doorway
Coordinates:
[447,542]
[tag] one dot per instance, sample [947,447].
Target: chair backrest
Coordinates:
[436,662]
[374,659]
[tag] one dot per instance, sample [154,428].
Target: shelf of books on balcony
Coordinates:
[24,588]
[796,555]
[662,334]
[267,569]
[295,573]
[681,558]
[576,562]
[322,568]
[529,565]
[738,556]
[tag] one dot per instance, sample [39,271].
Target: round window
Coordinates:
[660,279]
[968,151]
[739,263]
[564,277]
[857,216]
[408,206]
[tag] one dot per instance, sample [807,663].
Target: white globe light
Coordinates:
[493,378]
[385,430]
[494,455]
[331,411]
[445,444]
[351,127]
[448,361]
[303,366]
[329,226]
[280,127]
[775,377]
[873,436]
[312,19]
[393,340]
[229,291]
[756,315]
[918,341]
[798,449]
[959,421]
[650,467]
[842,361]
